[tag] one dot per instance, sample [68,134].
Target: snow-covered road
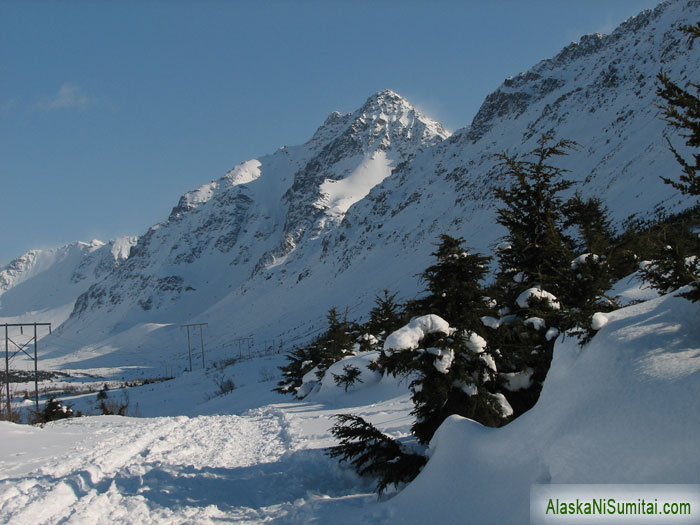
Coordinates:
[225,468]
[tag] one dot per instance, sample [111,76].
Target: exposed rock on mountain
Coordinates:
[269,247]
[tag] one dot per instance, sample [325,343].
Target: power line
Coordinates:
[21,348]
[201,337]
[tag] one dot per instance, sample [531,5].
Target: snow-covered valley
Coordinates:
[619,410]
[185,328]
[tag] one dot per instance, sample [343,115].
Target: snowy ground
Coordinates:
[621,410]
[265,464]
[204,469]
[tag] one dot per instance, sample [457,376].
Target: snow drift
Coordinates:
[622,409]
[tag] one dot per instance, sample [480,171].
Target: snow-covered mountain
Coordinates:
[265,250]
[42,285]
[245,227]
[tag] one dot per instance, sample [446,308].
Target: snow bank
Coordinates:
[620,410]
[366,378]
[410,336]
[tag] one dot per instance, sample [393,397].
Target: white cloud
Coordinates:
[69,96]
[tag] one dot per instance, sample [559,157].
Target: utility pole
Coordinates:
[7,375]
[239,342]
[201,339]
[21,348]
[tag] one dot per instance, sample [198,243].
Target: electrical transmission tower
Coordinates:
[201,339]
[21,348]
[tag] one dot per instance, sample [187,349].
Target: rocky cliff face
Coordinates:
[269,247]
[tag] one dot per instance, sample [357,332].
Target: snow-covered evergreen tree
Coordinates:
[594,269]
[677,258]
[444,349]
[535,279]
[536,251]
[386,316]
[332,345]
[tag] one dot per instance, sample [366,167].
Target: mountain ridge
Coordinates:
[266,249]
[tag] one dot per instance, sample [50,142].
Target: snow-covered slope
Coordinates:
[599,92]
[42,285]
[623,409]
[268,248]
[245,227]
[620,410]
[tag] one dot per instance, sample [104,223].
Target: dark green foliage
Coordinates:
[300,361]
[336,343]
[452,379]
[689,181]
[449,376]
[349,377]
[55,410]
[590,218]
[102,394]
[676,259]
[627,249]
[536,253]
[674,262]
[373,453]
[452,284]
[595,271]
[545,234]
[331,346]
[536,249]
[387,316]
[682,112]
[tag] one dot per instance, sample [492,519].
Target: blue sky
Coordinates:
[109,111]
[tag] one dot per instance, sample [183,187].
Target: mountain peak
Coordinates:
[386,101]
[384,113]
[386,95]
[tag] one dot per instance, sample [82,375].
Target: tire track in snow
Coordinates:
[130,470]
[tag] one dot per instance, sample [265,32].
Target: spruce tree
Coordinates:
[677,258]
[590,218]
[455,376]
[535,279]
[452,283]
[336,343]
[371,452]
[351,375]
[452,373]
[536,250]
[594,270]
[681,111]
[452,368]
[386,316]
[55,410]
[331,346]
